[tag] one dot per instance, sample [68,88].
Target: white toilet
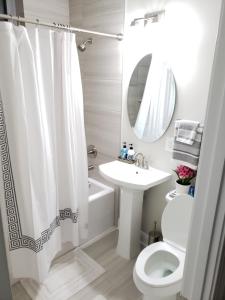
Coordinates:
[158,271]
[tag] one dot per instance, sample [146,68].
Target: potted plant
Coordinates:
[185,175]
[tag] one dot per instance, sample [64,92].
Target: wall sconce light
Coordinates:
[148,18]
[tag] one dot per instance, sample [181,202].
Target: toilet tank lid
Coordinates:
[176,220]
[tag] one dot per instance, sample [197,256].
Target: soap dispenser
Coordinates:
[130,153]
[123,151]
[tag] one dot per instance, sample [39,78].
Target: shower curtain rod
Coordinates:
[118,36]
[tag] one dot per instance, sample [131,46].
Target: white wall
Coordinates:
[188,44]
[47,10]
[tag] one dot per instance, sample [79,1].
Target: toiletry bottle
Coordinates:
[123,151]
[130,153]
[191,191]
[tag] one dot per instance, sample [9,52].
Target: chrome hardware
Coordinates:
[83,45]
[146,166]
[148,18]
[119,36]
[141,162]
[90,167]
[92,151]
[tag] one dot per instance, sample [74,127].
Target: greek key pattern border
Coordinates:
[16,238]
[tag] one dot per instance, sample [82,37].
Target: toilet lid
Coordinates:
[176,220]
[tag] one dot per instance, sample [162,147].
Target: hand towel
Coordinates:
[186,131]
[188,154]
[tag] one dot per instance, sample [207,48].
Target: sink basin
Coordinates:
[132,177]
[133,181]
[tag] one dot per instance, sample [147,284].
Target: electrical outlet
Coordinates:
[169,144]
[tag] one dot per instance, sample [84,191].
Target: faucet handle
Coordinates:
[142,162]
[137,162]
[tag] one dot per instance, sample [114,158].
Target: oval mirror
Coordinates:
[151,98]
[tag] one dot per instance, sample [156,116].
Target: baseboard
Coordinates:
[97,238]
[143,238]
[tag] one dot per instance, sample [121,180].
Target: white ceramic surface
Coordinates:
[133,181]
[101,212]
[158,271]
[176,219]
[182,189]
[132,177]
[151,267]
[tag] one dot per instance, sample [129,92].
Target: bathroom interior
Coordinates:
[102,110]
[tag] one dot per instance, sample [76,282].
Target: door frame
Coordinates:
[206,237]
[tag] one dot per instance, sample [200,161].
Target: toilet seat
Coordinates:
[147,253]
[158,271]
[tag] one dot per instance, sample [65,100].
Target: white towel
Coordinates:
[185,153]
[186,131]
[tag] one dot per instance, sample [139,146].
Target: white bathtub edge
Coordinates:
[106,190]
[100,184]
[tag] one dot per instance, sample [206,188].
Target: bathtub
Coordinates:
[100,208]
[101,217]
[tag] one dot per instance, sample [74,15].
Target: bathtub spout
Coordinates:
[90,167]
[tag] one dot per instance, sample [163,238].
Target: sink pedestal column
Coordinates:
[129,222]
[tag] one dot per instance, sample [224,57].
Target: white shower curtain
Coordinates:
[156,107]
[43,148]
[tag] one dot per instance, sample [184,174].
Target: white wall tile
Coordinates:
[47,10]
[76,12]
[104,15]
[103,130]
[103,59]
[101,69]
[102,94]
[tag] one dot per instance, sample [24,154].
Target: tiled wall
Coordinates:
[101,68]
[47,10]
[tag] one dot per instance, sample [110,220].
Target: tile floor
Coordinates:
[115,284]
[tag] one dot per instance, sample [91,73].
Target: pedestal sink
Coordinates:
[133,181]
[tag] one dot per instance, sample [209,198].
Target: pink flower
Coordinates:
[185,174]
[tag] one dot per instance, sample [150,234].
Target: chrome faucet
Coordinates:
[141,162]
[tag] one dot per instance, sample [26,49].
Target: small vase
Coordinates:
[182,189]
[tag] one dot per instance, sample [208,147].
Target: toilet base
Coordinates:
[147,297]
